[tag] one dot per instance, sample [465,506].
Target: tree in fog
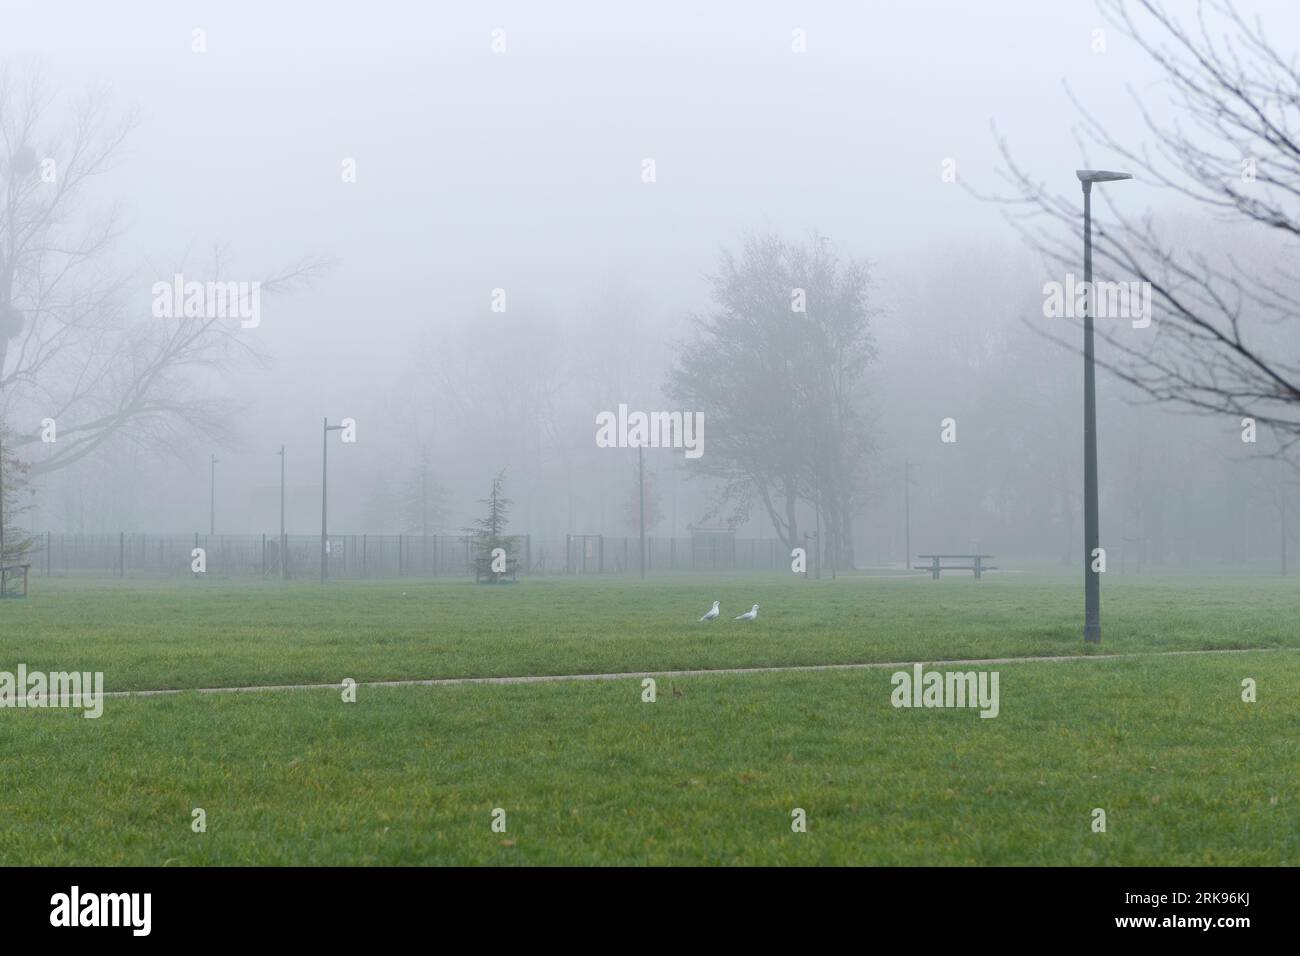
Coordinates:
[413,503]
[778,368]
[1009,484]
[1227,325]
[15,497]
[74,346]
[422,504]
[654,510]
[379,513]
[489,531]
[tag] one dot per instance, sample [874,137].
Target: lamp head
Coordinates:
[1100,175]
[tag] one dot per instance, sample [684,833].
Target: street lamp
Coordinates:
[324,459]
[907,514]
[212,496]
[1091,530]
[284,570]
[640,486]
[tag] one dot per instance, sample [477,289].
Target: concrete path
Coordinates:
[638,675]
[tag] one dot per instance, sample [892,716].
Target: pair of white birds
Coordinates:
[712,614]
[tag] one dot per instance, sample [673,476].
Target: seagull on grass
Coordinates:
[711,614]
[750,615]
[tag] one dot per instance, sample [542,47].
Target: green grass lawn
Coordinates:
[587,773]
[218,634]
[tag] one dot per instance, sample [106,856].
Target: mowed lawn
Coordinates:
[216,633]
[587,772]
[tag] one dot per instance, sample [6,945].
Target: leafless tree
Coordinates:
[1226,328]
[782,388]
[74,346]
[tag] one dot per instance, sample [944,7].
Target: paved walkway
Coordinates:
[629,675]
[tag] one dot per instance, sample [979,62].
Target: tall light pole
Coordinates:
[1091,527]
[424,514]
[212,496]
[1281,504]
[1282,521]
[326,428]
[640,484]
[818,535]
[284,571]
[907,513]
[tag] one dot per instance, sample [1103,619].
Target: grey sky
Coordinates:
[521,170]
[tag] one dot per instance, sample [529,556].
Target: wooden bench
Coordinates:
[936,564]
[483,571]
[6,572]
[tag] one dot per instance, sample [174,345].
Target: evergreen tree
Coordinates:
[489,531]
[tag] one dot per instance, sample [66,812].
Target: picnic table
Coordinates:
[937,564]
[6,572]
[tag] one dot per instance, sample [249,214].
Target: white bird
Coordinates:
[750,615]
[711,614]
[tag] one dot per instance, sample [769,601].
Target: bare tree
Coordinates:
[71,347]
[778,370]
[1227,327]
[422,499]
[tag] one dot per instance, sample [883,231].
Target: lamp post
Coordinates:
[424,516]
[284,571]
[907,514]
[1091,528]
[212,496]
[640,484]
[324,460]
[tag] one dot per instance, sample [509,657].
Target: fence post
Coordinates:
[121,554]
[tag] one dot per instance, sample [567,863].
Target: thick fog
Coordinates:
[488,262]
